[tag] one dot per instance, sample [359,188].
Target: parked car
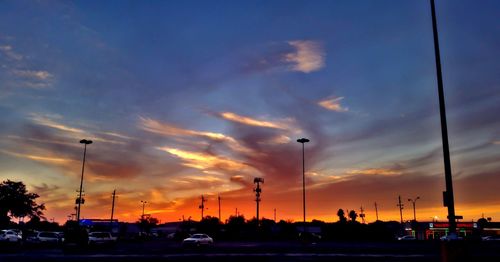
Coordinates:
[407,238]
[309,237]
[198,240]
[491,238]
[101,238]
[451,238]
[8,235]
[44,237]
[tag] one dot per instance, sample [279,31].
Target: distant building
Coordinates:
[436,230]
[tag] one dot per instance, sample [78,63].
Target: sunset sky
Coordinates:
[184,98]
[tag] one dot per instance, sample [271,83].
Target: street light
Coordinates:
[143,204]
[85,142]
[303,141]
[413,202]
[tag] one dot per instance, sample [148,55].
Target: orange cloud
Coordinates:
[375,171]
[333,104]
[205,161]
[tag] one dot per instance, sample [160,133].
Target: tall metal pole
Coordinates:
[376,210]
[303,183]
[85,143]
[113,205]
[218,197]
[448,197]
[303,141]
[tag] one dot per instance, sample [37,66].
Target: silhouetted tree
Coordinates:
[15,201]
[146,223]
[236,221]
[353,215]
[341,215]
[36,224]
[209,225]
[482,222]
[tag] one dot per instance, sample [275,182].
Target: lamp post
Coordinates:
[303,141]
[85,142]
[448,197]
[413,202]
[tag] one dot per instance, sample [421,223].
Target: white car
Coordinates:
[101,238]
[44,237]
[491,238]
[198,240]
[10,236]
[407,238]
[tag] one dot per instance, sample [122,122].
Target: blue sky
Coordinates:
[184,98]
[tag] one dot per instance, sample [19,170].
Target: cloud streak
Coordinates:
[333,104]
[205,161]
[46,121]
[10,53]
[168,130]
[375,171]
[251,121]
[33,74]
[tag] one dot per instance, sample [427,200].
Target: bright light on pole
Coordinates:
[413,202]
[85,142]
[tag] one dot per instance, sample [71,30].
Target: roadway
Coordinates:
[164,250]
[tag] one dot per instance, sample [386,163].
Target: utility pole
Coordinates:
[257,191]
[143,204]
[202,206]
[376,210]
[113,206]
[448,198]
[361,214]
[218,198]
[400,205]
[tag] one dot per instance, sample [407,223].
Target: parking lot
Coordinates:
[167,250]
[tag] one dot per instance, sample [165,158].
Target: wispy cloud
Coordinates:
[166,129]
[45,159]
[333,104]
[308,56]
[276,140]
[162,128]
[47,121]
[33,74]
[375,171]
[251,121]
[10,53]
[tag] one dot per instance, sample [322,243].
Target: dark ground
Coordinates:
[164,250]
